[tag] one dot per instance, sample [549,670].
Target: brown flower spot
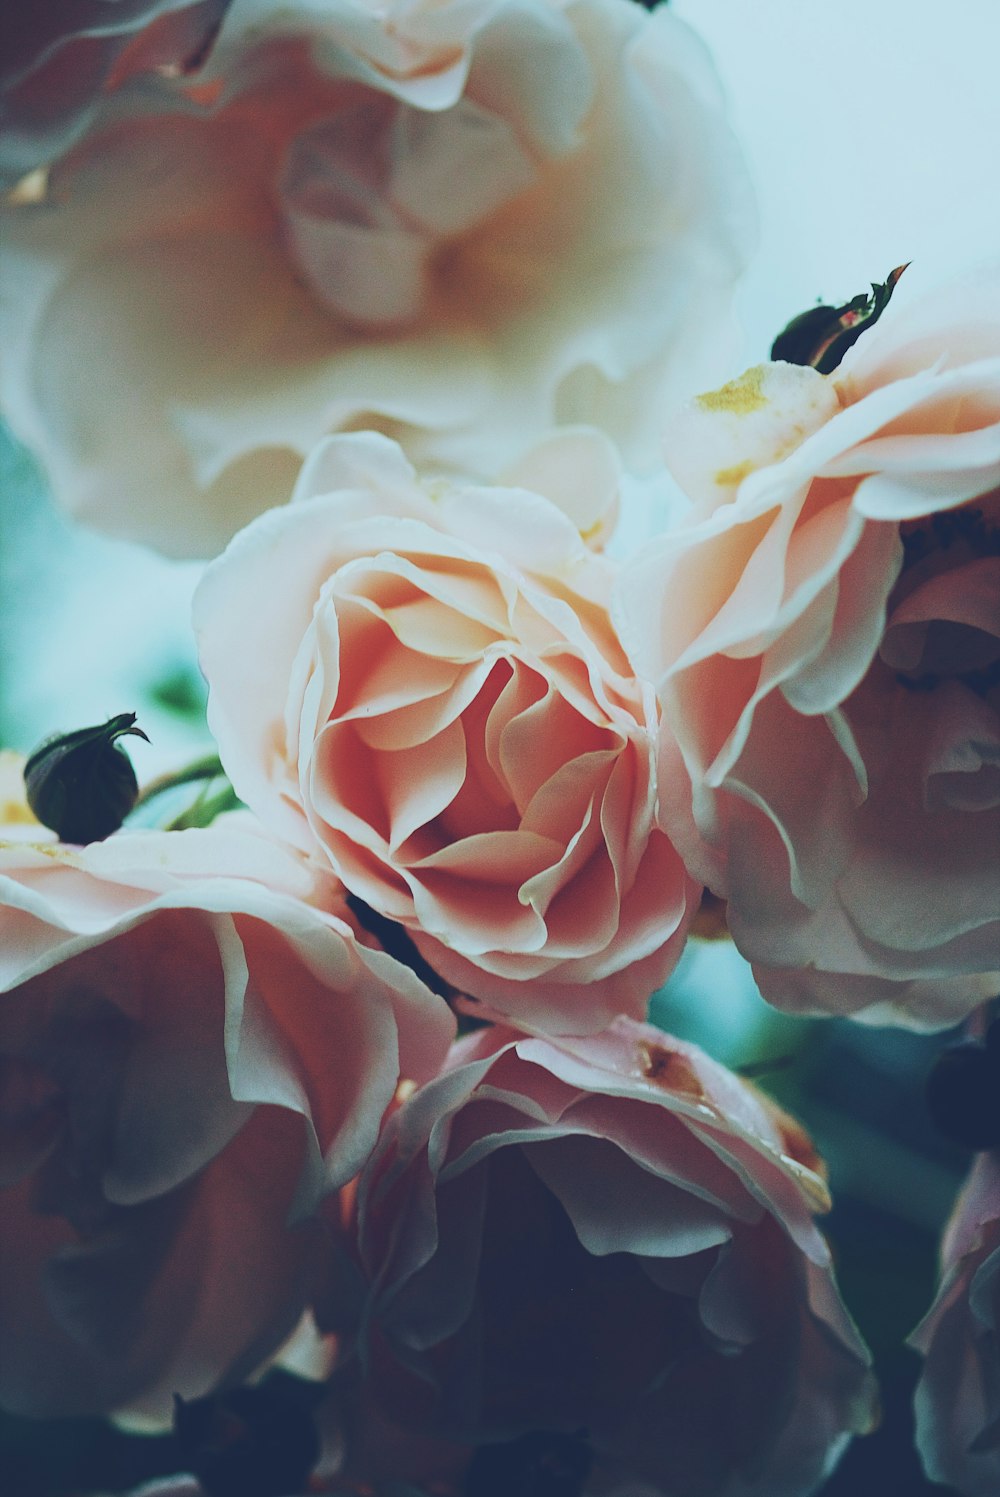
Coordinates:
[710,921]
[672,1071]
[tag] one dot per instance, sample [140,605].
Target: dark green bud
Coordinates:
[82,785]
[821,336]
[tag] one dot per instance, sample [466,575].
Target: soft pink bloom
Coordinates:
[191,1057]
[423,681]
[824,640]
[958,1396]
[611,1234]
[60,56]
[459,223]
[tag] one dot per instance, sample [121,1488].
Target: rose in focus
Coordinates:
[824,639]
[610,1240]
[191,1057]
[456,223]
[958,1396]
[434,695]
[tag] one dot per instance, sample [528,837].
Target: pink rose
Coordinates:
[457,222]
[191,1057]
[611,1235]
[59,56]
[433,694]
[824,640]
[958,1396]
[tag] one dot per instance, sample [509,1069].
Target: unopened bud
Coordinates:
[82,785]
[820,337]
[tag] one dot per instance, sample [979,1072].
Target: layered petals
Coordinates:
[958,1396]
[824,640]
[61,56]
[192,1055]
[610,1240]
[437,699]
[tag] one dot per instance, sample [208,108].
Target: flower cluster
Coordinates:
[409,292]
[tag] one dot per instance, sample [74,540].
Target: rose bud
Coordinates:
[823,636]
[193,1055]
[821,336]
[462,224]
[609,1238]
[958,1396]
[82,785]
[436,701]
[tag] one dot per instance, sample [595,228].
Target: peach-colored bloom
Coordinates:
[824,639]
[958,1396]
[458,223]
[612,1235]
[191,1056]
[423,681]
[59,56]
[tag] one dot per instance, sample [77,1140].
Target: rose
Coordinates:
[435,697]
[457,223]
[59,56]
[611,1235]
[958,1396]
[191,1056]
[824,639]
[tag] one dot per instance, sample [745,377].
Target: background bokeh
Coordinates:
[872,132]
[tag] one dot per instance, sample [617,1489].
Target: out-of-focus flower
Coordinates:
[60,56]
[191,1056]
[610,1238]
[18,822]
[457,223]
[435,696]
[824,639]
[958,1396]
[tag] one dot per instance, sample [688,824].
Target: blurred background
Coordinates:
[872,133]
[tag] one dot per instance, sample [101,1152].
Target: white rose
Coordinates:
[456,224]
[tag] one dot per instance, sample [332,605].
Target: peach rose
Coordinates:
[612,1239]
[824,640]
[458,223]
[958,1396]
[191,1056]
[433,694]
[60,55]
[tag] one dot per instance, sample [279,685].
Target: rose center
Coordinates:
[370,194]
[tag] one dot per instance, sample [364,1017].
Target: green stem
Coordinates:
[207,768]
